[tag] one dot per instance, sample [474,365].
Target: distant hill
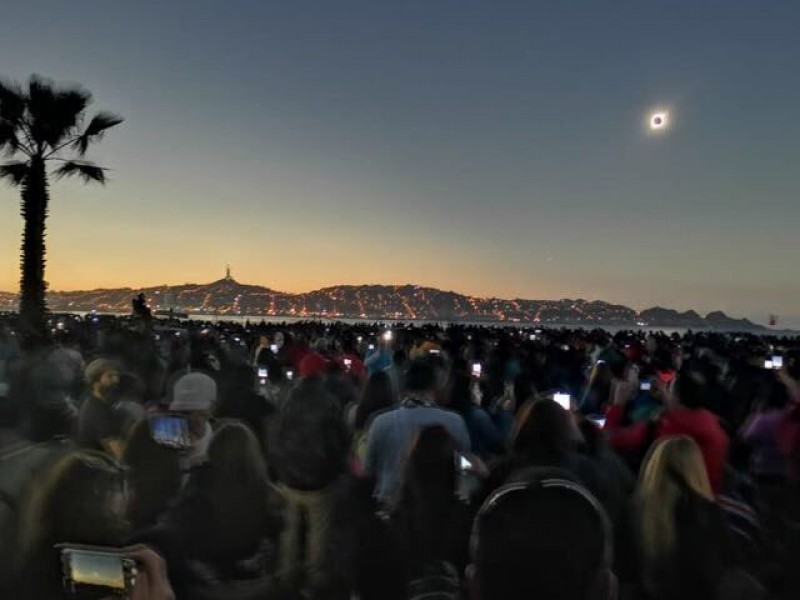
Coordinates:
[229,297]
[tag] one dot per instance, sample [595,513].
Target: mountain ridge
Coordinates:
[228,297]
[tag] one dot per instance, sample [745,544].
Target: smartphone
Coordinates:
[463,464]
[371,347]
[768,364]
[563,400]
[387,337]
[96,572]
[273,348]
[289,375]
[598,420]
[477,369]
[532,337]
[171,431]
[263,374]
[348,363]
[777,362]
[645,386]
[434,351]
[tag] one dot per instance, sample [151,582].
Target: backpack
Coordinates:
[437,581]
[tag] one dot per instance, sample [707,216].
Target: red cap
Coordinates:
[313,365]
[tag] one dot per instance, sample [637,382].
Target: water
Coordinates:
[289,320]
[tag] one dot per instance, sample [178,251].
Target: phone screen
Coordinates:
[768,364]
[262,372]
[564,400]
[170,430]
[289,375]
[274,348]
[598,420]
[477,369]
[462,462]
[645,386]
[85,568]
[777,362]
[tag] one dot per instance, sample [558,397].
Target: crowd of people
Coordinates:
[332,461]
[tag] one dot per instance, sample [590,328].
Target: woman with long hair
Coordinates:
[154,475]
[81,501]
[378,396]
[429,522]
[222,532]
[682,538]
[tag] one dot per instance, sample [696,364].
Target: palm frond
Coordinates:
[97,127]
[12,103]
[86,171]
[55,113]
[9,142]
[14,172]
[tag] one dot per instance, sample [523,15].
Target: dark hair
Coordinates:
[422,509]
[422,376]
[692,385]
[776,396]
[73,504]
[236,485]
[154,475]
[539,542]
[460,393]
[542,434]
[378,395]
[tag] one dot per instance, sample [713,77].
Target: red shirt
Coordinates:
[357,367]
[697,423]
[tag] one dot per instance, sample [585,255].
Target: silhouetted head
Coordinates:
[542,433]
[378,395]
[543,538]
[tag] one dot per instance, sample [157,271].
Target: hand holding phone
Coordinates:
[96,572]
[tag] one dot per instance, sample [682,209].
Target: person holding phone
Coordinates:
[83,500]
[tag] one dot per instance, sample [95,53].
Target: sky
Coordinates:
[494,148]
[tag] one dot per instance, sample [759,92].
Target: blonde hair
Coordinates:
[672,465]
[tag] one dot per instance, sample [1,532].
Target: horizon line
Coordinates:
[413,285]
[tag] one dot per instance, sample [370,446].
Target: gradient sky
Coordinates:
[493,148]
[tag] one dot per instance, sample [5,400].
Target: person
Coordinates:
[488,432]
[684,414]
[760,431]
[100,425]
[350,362]
[378,397]
[221,534]
[543,537]
[239,400]
[428,521]
[684,546]
[81,501]
[543,435]
[391,434]
[154,475]
[308,452]
[194,396]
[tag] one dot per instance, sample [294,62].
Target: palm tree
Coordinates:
[38,127]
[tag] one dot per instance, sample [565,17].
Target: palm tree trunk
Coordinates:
[35,197]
